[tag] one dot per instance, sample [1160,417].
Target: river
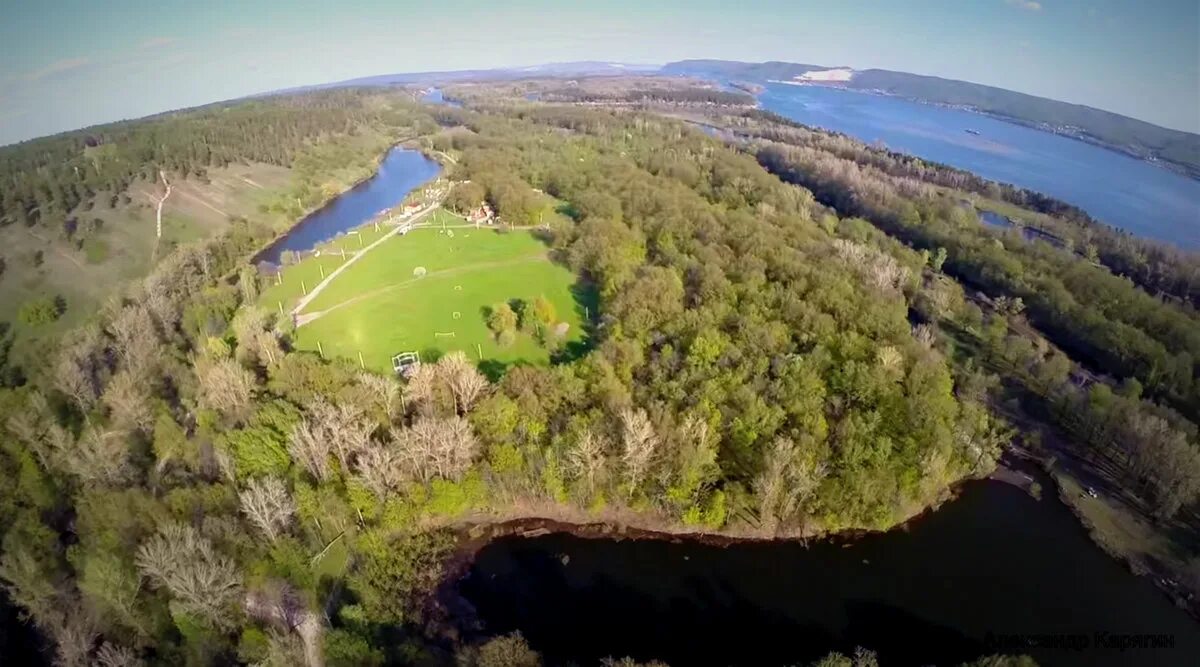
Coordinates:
[992,563]
[1119,190]
[401,171]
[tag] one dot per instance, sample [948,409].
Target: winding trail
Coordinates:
[359,255]
[158,226]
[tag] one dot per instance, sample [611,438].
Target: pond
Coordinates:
[401,171]
[993,219]
[988,569]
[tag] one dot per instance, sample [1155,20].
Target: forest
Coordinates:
[1155,266]
[1142,344]
[796,336]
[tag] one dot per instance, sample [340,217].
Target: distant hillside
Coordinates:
[579,68]
[1128,135]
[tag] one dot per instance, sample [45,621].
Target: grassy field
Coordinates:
[294,281]
[378,307]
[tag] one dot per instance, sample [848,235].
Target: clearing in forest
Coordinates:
[432,291]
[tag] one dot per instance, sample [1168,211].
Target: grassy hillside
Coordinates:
[116,243]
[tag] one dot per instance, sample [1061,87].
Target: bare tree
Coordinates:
[35,427]
[880,270]
[785,482]
[926,335]
[309,447]
[270,352]
[101,457]
[771,484]
[386,392]
[112,655]
[257,343]
[341,430]
[128,401]
[136,339]
[265,501]
[82,367]
[183,562]
[381,470]
[463,379]
[586,459]
[224,386]
[75,634]
[435,446]
[638,446]
[426,389]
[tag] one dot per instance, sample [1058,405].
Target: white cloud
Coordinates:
[1029,5]
[56,67]
[155,42]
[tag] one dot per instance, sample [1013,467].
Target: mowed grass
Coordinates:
[295,280]
[378,308]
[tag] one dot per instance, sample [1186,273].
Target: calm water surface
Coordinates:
[995,561]
[401,172]
[1114,188]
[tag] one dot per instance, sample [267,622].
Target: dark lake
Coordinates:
[994,562]
[1119,190]
[400,172]
[20,644]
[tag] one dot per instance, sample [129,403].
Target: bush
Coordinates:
[41,311]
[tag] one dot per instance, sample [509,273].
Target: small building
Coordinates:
[481,214]
[408,210]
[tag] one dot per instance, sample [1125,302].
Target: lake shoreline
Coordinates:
[1173,167]
[452,614]
[407,144]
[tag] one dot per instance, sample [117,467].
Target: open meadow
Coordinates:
[431,291]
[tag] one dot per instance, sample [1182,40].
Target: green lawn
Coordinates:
[378,308]
[296,279]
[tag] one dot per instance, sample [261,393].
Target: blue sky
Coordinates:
[66,64]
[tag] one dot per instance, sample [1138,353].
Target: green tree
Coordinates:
[40,312]
[502,320]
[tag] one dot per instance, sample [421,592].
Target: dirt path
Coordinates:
[307,318]
[54,246]
[200,200]
[359,255]
[158,226]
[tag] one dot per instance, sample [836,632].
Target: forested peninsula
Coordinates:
[786,334]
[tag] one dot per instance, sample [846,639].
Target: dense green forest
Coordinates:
[1155,266]
[796,334]
[187,490]
[1103,321]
